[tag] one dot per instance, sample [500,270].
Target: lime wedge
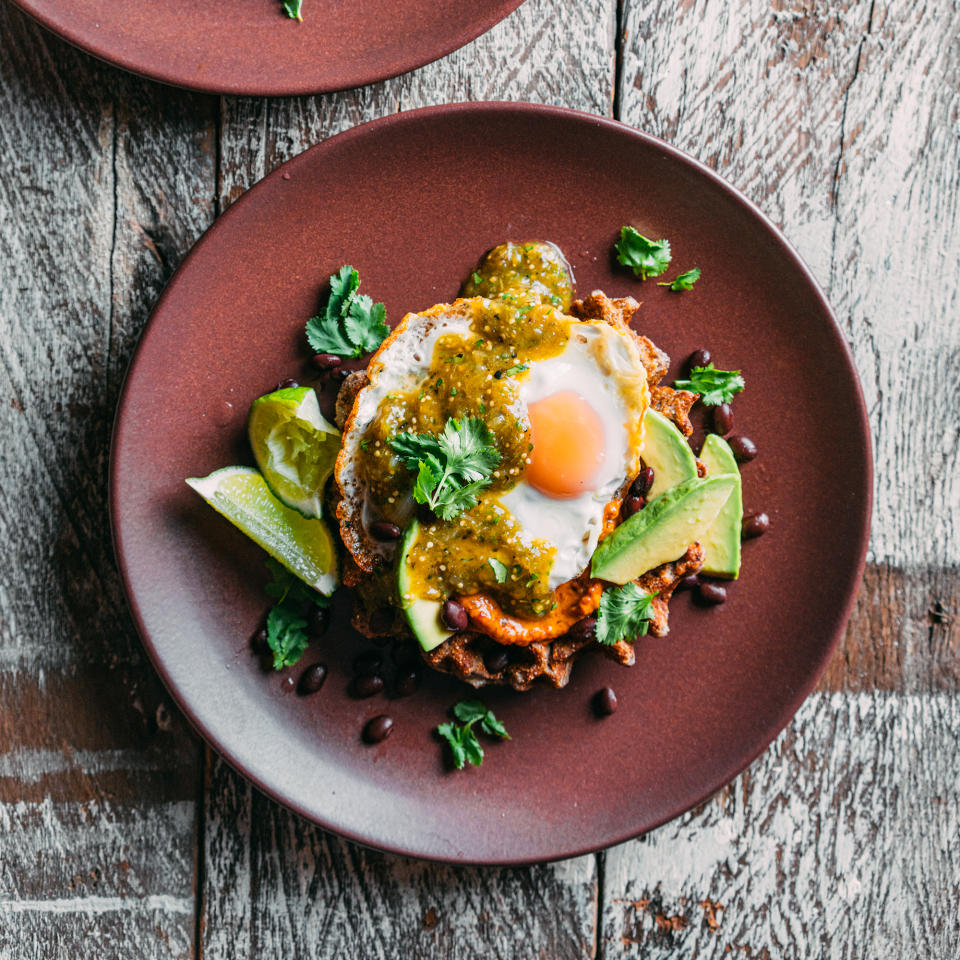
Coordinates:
[294,445]
[302,544]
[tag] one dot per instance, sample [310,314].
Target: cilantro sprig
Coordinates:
[452,467]
[292,8]
[683,281]
[462,738]
[286,623]
[624,614]
[714,386]
[646,257]
[351,323]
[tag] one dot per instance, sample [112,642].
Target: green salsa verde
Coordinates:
[526,287]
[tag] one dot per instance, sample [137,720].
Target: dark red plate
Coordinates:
[700,704]
[251,47]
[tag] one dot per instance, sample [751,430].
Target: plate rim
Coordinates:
[254,88]
[789,708]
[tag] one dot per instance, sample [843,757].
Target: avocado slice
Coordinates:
[721,543]
[663,530]
[666,450]
[422,614]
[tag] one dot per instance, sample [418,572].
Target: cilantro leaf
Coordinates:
[292,8]
[493,727]
[365,323]
[464,745]
[426,482]
[451,732]
[452,467]
[684,281]
[624,613]
[351,322]
[467,711]
[499,569]
[644,256]
[714,386]
[286,635]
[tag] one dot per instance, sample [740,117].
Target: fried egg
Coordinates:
[586,410]
[584,404]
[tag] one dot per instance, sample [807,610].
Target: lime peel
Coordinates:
[302,544]
[294,445]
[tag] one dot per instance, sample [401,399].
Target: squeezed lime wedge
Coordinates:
[294,445]
[302,544]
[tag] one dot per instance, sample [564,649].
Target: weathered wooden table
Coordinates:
[121,836]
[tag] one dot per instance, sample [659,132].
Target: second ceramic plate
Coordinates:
[251,47]
[412,201]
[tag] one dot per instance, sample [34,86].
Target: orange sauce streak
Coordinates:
[575,600]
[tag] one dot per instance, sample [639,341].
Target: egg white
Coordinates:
[602,365]
[599,362]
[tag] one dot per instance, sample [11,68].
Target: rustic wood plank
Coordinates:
[278,886]
[904,634]
[105,182]
[839,843]
[839,120]
[274,885]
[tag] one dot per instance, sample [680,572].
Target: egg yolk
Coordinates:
[568,445]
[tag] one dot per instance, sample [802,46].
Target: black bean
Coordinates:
[407,682]
[699,358]
[326,361]
[378,729]
[496,660]
[755,526]
[689,582]
[289,382]
[311,680]
[287,684]
[712,593]
[743,448]
[318,619]
[364,687]
[631,506]
[367,663]
[583,629]
[643,483]
[381,620]
[605,702]
[384,531]
[340,373]
[722,419]
[454,615]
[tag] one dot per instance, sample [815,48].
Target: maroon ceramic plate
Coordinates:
[251,47]
[700,704]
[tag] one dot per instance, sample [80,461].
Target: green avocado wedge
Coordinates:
[721,542]
[666,450]
[422,614]
[663,530]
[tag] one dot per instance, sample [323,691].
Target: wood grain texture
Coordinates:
[839,843]
[276,886]
[840,121]
[98,774]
